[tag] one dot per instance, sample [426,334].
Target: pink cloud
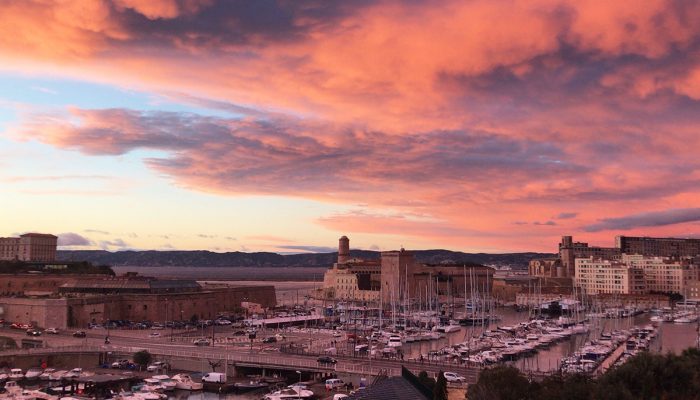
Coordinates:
[444,122]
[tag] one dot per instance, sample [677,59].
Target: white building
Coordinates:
[596,276]
[635,274]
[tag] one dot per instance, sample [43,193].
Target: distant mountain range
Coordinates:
[202,258]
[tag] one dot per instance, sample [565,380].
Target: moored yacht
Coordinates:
[290,393]
[185,382]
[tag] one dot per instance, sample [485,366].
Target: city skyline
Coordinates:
[280,126]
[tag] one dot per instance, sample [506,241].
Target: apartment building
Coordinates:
[31,247]
[660,247]
[596,276]
[636,274]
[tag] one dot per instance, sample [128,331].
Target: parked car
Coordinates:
[157,366]
[201,342]
[454,377]
[80,334]
[33,332]
[222,321]
[270,339]
[154,335]
[239,333]
[53,331]
[119,364]
[332,384]
[326,360]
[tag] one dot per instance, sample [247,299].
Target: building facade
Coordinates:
[661,247]
[595,276]
[31,247]
[545,268]
[662,274]
[77,310]
[570,250]
[397,278]
[635,274]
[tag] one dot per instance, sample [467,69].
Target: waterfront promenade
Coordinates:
[233,356]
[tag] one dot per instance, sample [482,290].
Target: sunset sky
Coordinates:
[480,125]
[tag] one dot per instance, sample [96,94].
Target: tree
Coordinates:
[426,380]
[500,383]
[142,358]
[214,365]
[440,388]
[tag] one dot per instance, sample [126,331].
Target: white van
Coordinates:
[334,384]
[214,377]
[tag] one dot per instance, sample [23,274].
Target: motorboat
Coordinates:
[290,393]
[682,320]
[185,382]
[394,341]
[46,374]
[244,387]
[58,375]
[16,374]
[12,389]
[166,382]
[33,373]
[74,373]
[151,385]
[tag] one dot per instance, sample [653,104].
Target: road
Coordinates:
[241,353]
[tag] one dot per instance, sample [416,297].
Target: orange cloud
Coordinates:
[472,117]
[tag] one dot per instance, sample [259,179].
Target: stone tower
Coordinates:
[343,250]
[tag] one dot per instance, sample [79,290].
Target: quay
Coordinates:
[234,361]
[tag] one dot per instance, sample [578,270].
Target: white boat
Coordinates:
[185,382]
[33,373]
[290,393]
[394,341]
[74,373]
[683,320]
[16,374]
[165,381]
[46,374]
[151,385]
[12,389]
[452,327]
[58,375]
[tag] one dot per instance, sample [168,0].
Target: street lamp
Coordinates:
[299,372]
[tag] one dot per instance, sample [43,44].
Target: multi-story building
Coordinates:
[569,251]
[692,291]
[33,247]
[594,276]
[663,274]
[545,268]
[398,278]
[635,274]
[662,247]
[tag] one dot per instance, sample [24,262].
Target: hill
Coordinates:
[200,258]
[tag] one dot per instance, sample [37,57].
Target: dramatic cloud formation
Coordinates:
[73,239]
[446,123]
[656,218]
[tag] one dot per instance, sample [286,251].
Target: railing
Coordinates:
[345,364]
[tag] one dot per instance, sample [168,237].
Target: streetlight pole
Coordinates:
[299,372]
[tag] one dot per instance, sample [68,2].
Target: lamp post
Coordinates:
[299,372]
